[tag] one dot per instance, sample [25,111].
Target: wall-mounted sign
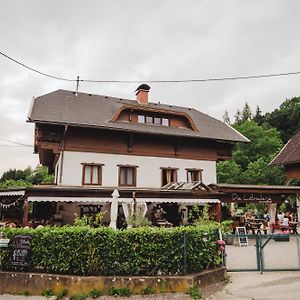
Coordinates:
[21,250]
[249,198]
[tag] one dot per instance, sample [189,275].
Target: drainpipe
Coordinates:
[62,153]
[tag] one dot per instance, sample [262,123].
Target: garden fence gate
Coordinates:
[262,252]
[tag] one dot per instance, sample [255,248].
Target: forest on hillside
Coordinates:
[268,134]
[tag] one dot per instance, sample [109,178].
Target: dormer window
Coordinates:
[150,119]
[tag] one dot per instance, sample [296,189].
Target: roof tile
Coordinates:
[64,107]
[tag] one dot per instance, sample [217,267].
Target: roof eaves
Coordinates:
[245,140]
[286,161]
[281,162]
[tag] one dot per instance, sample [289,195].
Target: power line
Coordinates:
[34,70]
[154,81]
[15,142]
[15,146]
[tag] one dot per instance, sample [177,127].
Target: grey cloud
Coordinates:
[142,40]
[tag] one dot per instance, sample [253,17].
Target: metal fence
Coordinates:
[263,252]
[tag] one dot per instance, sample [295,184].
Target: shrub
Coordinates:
[60,295]
[95,293]
[103,251]
[147,290]
[47,293]
[122,292]
[195,293]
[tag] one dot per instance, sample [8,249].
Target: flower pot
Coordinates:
[229,239]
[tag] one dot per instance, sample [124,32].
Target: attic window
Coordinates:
[141,119]
[165,122]
[151,119]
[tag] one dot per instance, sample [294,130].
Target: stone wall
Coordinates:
[35,283]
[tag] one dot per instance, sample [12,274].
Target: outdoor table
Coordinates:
[255,227]
[165,224]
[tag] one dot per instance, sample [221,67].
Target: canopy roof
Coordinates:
[197,193]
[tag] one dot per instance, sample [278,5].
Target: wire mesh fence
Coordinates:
[263,252]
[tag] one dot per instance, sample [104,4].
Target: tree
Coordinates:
[246,114]
[226,118]
[286,118]
[258,117]
[40,175]
[250,161]
[259,172]
[237,117]
[26,177]
[228,172]
[265,143]
[16,174]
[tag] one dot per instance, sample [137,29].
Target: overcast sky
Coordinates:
[145,40]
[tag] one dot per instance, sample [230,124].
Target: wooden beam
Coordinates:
[25,213]
[130,142]
[177,146]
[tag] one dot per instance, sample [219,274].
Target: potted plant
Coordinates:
[226,229]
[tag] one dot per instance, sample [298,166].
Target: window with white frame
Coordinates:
[153,119]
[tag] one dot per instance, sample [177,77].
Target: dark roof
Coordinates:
[64,107]
[290,153]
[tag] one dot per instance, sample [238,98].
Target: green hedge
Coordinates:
[103,251]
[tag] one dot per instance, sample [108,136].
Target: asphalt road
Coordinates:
[256,286]
[241,286]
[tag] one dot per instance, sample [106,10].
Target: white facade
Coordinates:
[148,168]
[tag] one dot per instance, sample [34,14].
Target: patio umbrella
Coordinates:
[142,208]
[128,212]
[272,212]
[114,209]
[298,208]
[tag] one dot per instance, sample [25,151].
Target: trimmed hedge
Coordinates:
[103,251]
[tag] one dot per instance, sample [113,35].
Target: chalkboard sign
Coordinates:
[241,232]
[21,250]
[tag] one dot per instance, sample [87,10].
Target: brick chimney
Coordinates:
[142,93]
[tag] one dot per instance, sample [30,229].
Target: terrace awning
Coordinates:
[95,200]
[10,198]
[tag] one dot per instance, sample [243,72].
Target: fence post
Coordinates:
[184,252]
[261,255]
[257,252]
[298,249]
